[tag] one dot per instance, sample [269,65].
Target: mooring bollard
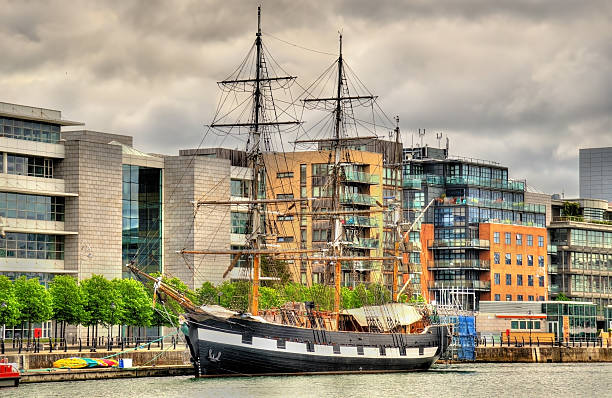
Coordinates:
[2,346]
[80,345]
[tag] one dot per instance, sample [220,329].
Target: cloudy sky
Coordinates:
[522,82]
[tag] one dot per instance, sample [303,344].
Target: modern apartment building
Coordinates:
[581,251]
[307,175]
[595,173]
[475,204]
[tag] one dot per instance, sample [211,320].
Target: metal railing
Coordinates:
[360,176]
[360,221]
[467,243]
[493,204]
[580,219]
[460,284]
[358,199]
[365,243]
[460,263]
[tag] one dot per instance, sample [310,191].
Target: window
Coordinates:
[32,246]
[540,298]
[31,207]
[33,166]
[497,298]
[530,281]
[508,279]
[519,259]
[30,131]
[530,259]
[508,259]
[285,218]
[529,240]
[519,239]
[284,196]
[519,297]
[541,281]
[320,235]
[284,239]
[239,222]
[286,174]
[508,297]
[540,261]
[496,237]
[239,188]
[508,237]
[540,241]
[519,280]
[497,279]
[302,174]
[531,298]
[496,258]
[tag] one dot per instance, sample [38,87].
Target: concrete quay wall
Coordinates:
[44,360]
[543,354]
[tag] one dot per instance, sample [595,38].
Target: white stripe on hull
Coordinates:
[264,344]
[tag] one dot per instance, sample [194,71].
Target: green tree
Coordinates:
[236,295]
[322,296]
[207,294]
[275,268]
[269,298]
[293,292]
[137,307]
[571,209]
[102,304]
[34,302]
[562,297]
[67,301]
[347,298]
[9,308]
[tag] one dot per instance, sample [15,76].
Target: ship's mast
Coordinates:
[257,127]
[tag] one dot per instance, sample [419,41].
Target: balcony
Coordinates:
[581,219]
[553,268]
[358,199]
[411,183]
[360,221]
[459,264]
[461,284]
[361,177]
[493,204]
[509,185]
[459,243]
[553,289]
[360,265]
[364,243]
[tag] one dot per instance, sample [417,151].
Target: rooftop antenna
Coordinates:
[439,138]
[421,135]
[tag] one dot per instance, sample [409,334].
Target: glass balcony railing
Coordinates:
[460,284]
[357,199]
[553,289]
[460,263]
[360,265]
[365,243]
[465,243]
[510,185]
[494,204]
[410,182]
[360,221]
[552,249]
[553,268]
[359,176]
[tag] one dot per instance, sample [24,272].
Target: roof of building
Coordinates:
[35,114]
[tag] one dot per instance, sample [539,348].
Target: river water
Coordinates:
[457,380]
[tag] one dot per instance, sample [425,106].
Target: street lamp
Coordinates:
[530,323]
[112,306]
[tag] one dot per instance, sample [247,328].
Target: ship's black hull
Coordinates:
[247,347]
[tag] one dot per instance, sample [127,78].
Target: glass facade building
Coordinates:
[581,318]
[142,217]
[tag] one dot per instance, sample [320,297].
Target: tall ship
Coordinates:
[299,338]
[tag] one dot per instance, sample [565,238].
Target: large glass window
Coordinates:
[508,237]
[497,279]
[32,246]
[529,240]
[530,259]
[496,237]
[519,280]
[519,239]
[540,241]
[529,280]
[33,166]
[508,279]
[540,261]
[31,207]
[142,217]
[519,259]
[496,258]
[508,259]
[29,131]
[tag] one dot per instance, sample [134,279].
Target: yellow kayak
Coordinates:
[70,363]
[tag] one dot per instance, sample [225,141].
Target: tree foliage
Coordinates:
[562,297]
[103,304]
[136,305]
[34,301]
[571,209]
[9,308]
[67,300]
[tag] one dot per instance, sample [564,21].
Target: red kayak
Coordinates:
[9,374]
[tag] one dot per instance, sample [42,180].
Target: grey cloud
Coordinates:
[523,82]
